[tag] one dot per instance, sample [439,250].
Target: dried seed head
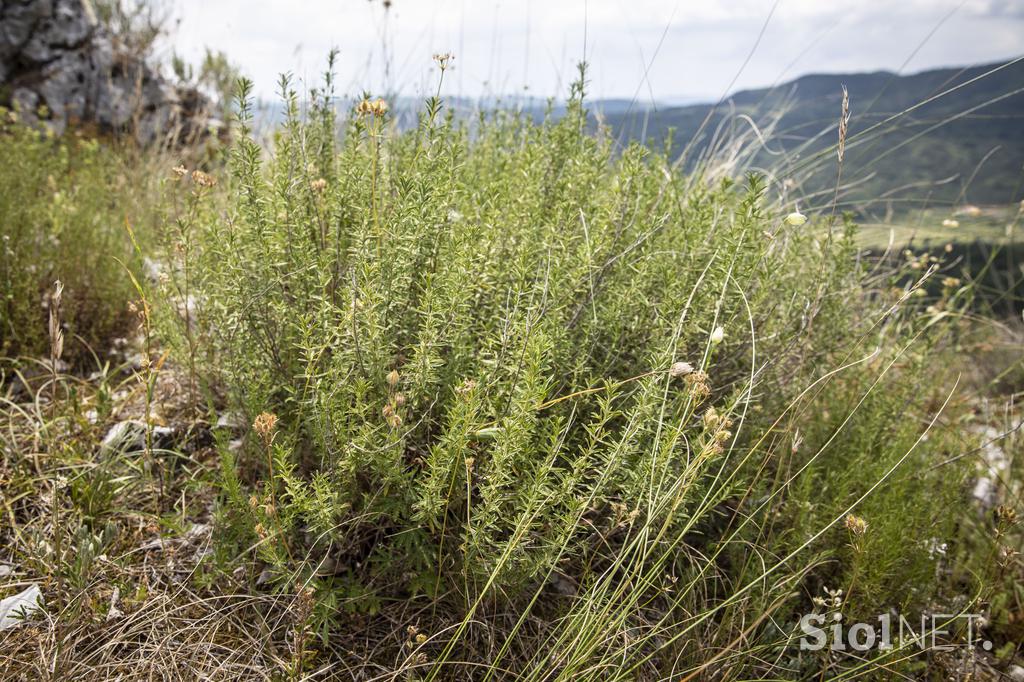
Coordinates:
[318,185]
[467,386]
[399,399]
[265,426]
[711,419]
[1006,515]
[202,179]
[393,378]
[844,124]
[698,383]
[180,171]
[56,333]
[855,524]
[391,417]
[377,108]
[444,59]
[680,369]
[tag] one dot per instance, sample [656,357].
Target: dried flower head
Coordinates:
[855,524]
[444,59]
[1006,515]
[377,108]
[680,369]
[265,426]
[698,383]
[318,185]
[202,179]
[711,419]
[391,416]
[467,386]
[180,171]
[393,378]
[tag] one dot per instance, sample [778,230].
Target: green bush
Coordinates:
[459,346]
[64,206]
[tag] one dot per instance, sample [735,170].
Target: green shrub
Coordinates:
[64,206]
[459,344]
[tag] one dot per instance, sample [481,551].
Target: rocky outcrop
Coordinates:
[60,66]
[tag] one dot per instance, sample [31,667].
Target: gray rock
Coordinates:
[55,53]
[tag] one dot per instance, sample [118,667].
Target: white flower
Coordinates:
[717,335]
[796,218]
[680,369]
[949,222]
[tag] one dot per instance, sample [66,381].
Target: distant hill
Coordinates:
[919,159]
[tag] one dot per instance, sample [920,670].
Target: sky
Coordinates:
[650,50]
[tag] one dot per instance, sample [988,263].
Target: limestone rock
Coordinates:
[55,53]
